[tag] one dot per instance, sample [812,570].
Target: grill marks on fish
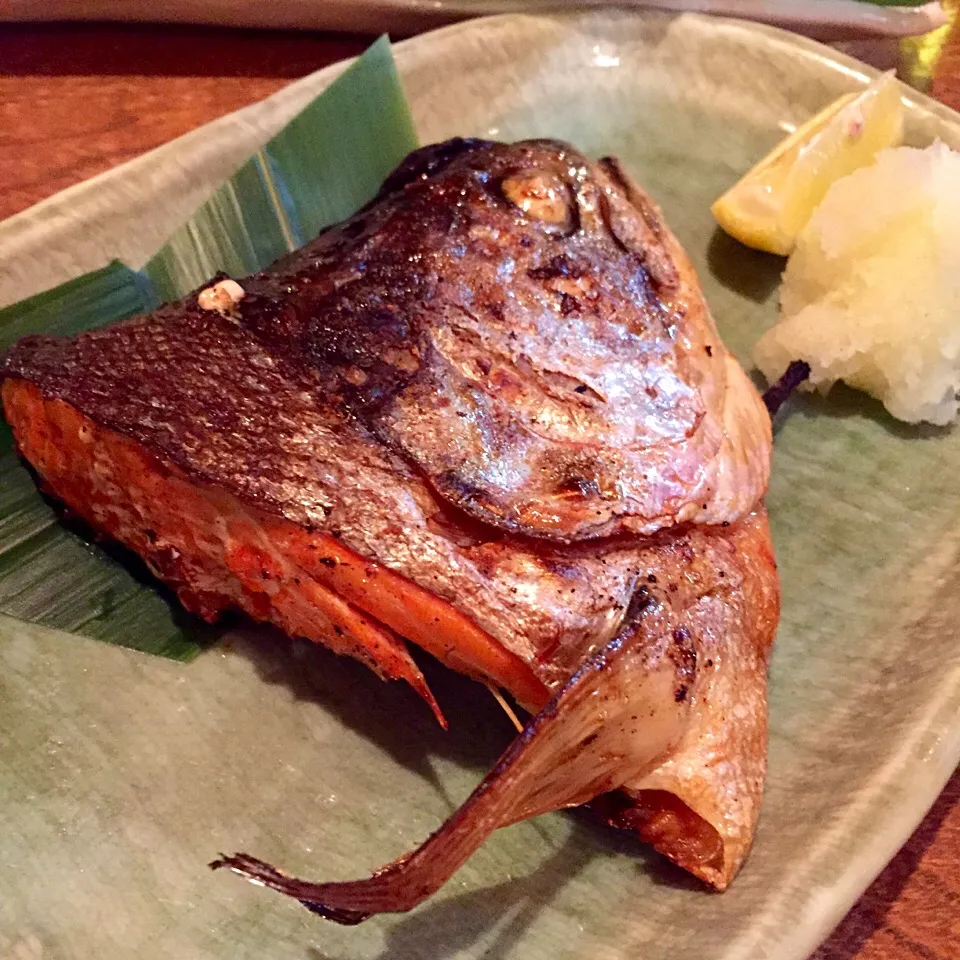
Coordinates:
[683,653]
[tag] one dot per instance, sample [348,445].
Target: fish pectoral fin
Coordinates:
[614,719]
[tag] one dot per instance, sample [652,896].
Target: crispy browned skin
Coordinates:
[488,414]
[554,372]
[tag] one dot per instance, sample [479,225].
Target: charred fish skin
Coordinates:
[486,415]
[517,325]
[242,403]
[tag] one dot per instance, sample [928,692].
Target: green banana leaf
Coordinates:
[325,164]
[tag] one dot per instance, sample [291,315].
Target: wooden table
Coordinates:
[77,100]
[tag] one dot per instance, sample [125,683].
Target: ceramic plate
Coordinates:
[121,774]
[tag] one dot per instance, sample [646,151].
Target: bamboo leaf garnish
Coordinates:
[325,164]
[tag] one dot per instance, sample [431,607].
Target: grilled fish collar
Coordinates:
[489,414]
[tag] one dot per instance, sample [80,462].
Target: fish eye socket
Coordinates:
[541,196]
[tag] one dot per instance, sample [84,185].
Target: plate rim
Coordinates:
[777,37]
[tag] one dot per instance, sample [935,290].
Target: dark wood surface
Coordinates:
[77,100]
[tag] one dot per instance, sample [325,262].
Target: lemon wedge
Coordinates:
[769,207]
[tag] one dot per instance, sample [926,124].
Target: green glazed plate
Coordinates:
[122,774]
